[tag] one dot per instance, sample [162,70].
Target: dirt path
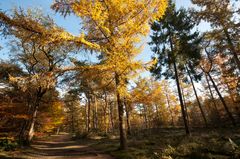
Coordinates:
[63,147]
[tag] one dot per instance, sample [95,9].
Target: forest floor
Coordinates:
[56,147]
[171,143]
[163,143]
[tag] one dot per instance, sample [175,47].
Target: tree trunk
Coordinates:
[222,100]
[105,113]
[58,130]
[198,101]
[89,113]
[212,97]
[181,99]
[179,90]
[111,117]
[31,130]
[123,138]
[185,105]
[95,117]
[128,117]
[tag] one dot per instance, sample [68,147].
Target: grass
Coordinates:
[169,144]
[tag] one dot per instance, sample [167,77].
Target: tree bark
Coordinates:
[123,138]
[105,112]
[212,97]
[128,117]
[181,100]
[31,127]
[185,105]
[179,89]
[89,113]
[198,101]
[222,100]
[111,122]
[95,117]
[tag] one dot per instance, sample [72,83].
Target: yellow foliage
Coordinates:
[121,25]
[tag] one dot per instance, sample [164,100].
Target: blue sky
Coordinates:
[71,23]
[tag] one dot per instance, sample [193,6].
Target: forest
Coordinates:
[93,95]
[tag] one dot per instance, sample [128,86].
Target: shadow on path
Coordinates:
[62,147]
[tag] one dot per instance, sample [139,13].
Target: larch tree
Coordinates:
[40,61]
[116,26]
[110,27]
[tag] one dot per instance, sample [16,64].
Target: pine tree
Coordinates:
[175,44]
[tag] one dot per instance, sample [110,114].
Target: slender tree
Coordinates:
[174,44]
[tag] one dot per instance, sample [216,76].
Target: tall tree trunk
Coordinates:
[95,120]
[105,112]
[180,99]
[128,117]
[198,101]
[123,138]
[31,127]
[222,100]
[93,112]
[111,122]
[185,105]
[179,90]
[212,97]
[89,113]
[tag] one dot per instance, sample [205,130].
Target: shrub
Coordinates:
[8,144]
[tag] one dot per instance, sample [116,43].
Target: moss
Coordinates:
[169,151]
[187,149]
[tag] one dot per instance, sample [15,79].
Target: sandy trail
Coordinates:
[63,147]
